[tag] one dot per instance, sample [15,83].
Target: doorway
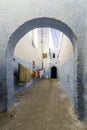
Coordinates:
[54,72]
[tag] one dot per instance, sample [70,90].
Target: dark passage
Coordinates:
[54,72]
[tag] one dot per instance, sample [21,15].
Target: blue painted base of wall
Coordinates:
[67,78]
[19,88]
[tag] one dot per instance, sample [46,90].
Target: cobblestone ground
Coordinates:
[43,106]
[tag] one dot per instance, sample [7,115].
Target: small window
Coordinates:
[33,64]
[53,55]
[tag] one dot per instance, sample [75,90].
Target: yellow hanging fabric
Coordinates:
[27,75]
[34,74]
[21,74]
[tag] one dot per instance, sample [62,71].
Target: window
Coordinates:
[53,55]
[33,64]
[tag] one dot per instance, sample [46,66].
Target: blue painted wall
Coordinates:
[17,87]
[67,77]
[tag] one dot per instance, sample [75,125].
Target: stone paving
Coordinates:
[43,106]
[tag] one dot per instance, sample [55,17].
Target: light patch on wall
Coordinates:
[51,46]
[36,37]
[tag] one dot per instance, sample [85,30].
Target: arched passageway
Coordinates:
[54,72]
[18,34]
[25,28]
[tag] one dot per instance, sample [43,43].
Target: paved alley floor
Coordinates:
[43,106]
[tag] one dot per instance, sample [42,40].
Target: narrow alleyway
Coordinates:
[43,106]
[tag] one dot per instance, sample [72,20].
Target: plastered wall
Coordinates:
[65,49]
[26,50]
[14,13]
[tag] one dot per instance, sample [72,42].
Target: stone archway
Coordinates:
[18,34]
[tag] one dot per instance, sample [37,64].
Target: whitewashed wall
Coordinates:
[14,13]
[65,49]
[28,51]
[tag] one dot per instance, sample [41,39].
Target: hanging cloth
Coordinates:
[27,74]
[21,73]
